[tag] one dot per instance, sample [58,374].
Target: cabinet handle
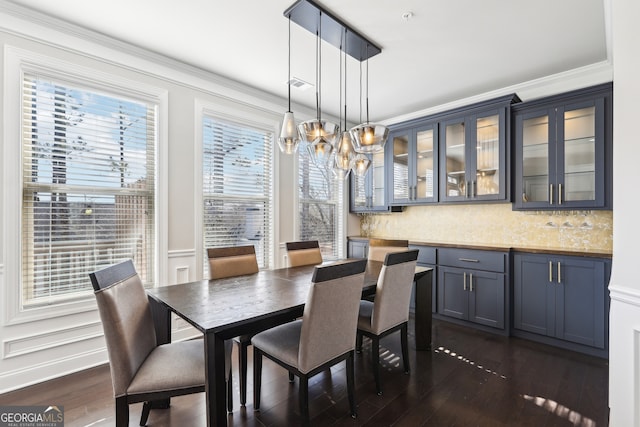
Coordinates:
[464,281]
[559,194]
[550,271]
[471,282]
[473,189]
[550,194]
[559,273]
[468,260]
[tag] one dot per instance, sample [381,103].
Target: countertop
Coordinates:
[506,248]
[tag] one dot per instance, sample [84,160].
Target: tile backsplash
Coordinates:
[495,224]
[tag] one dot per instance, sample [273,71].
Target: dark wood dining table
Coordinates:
[225,308]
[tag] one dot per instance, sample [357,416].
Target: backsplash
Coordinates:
[495,224]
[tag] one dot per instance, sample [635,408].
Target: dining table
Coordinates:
[222,309]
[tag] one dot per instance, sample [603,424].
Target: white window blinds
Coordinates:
[320,203]
[88,187]
[237,187]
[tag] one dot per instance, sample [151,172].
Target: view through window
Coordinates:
[88,187]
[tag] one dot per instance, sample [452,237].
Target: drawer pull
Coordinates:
[464,281]
[468,260]
[550,271]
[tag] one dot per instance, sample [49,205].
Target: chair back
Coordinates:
[126,320]
[378,248]
[232,261]
[304,253]
[330,316]
[393,290]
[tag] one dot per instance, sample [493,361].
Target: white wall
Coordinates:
[624,352]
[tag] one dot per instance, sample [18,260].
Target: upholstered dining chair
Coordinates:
[235,261]
[141,370]
[303,253]
[378,248]
[389,312]
[323,337]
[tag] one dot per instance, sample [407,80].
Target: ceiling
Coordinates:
[448,50]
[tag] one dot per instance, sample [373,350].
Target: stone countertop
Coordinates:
[506,248]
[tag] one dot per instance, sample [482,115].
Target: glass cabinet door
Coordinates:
[487,156]
[425,164]
[579,166]
[455,160]
[535,158]
[401,185]
[377,181]
[359,197]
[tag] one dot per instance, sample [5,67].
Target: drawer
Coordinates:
[473,259]
[426,254]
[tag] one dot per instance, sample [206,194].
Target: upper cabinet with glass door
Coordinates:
[414,178]
[563,151]
[368,193]
[474,150]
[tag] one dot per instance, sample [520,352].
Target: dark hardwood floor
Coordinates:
[470,378]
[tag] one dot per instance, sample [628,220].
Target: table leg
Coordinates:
[215,384]
[423,311]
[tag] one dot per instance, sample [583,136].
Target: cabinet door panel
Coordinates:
[486,298]
[452,297]
[400,146]
[533,309]
[580,302]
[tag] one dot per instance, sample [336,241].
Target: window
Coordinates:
[320,201]
[237,175]
[88,186]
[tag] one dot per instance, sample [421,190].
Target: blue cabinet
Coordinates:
[563,151]
[368,193]
[474,152]
[472,286]
[563,298]
[357,248]
[427,258]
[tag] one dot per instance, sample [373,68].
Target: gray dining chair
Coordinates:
[389,312]
[234,261]
[378,248]
[141,370]
[303,253]
[324,336]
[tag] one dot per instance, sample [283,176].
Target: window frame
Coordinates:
[18,62]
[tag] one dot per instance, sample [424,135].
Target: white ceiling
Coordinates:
[449,50]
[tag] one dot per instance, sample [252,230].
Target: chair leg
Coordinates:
[291,377]
[350,384]
[242,355]
[146,408]
[375,361]
[358,343]
[404,339]
[230,392]
[304,399]
[257,377]
[122,412]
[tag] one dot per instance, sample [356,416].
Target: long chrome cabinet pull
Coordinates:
[473,189]
[550,271]
[464,281]
[468,260]
[559,273]
[550,194]
[471,282]
[559,194]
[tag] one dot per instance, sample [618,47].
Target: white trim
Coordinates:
[46,340]
[629,296]
[589,75]
[16,61]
